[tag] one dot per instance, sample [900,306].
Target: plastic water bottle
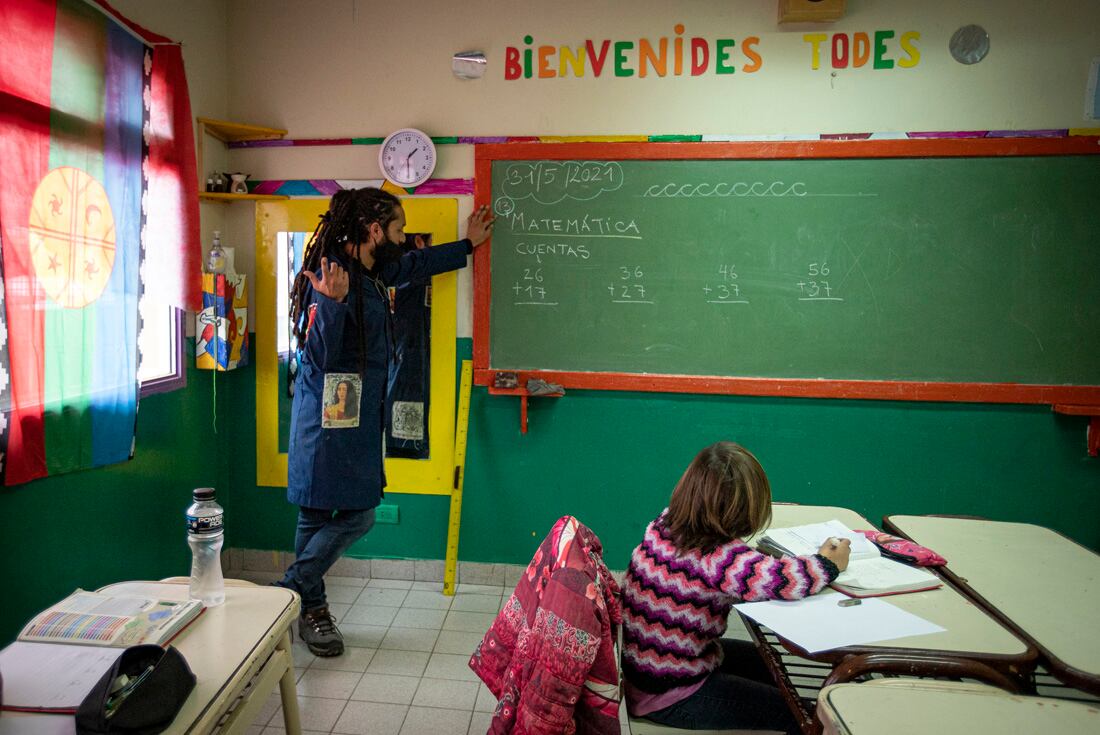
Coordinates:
[205,534]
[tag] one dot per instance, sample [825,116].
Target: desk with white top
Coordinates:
[1038,582]
[915,707]
[972,645]
[238,651]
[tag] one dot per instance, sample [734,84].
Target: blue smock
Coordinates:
[341,468]
[410,373]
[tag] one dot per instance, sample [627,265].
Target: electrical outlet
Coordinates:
[385,514]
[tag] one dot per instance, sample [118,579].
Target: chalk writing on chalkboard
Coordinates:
[895,269]
[549,182]
[814,287]
[722,189]
[724,290]
[530,291]
[630,287]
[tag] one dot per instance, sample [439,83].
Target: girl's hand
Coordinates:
[480,225]
[837,550]
[333,281]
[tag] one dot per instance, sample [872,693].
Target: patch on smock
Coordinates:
[408,420]
[341,404]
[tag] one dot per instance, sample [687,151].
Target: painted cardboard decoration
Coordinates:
[221,328]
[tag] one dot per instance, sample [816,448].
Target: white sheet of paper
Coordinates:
[818,623]
[881,573]
[52,674]
[814,535]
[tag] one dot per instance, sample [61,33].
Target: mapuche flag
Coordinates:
[72,111]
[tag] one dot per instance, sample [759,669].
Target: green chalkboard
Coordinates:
[968,270]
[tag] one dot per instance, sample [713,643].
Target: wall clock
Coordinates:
[407,157]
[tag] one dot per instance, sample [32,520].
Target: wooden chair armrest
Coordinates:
[889,663]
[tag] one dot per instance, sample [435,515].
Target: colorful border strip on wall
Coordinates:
[328,187]
[477,140]
[460,187]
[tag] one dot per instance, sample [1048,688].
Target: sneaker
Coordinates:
[317,629]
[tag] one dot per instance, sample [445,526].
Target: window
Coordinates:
[160,347]
[291,249]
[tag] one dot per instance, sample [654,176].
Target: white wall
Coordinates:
[333,68]
[354,67]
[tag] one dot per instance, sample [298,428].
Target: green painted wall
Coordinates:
[609,458]
[87,529]
[612,459]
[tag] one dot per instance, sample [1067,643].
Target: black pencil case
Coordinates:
[147,707]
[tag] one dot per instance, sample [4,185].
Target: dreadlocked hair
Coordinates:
[350,215]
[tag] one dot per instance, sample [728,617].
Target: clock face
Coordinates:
[407,157]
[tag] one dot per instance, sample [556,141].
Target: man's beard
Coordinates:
[385,253]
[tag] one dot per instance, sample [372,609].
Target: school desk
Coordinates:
[917,707]
[238,651]
[973,645]
[1042,585]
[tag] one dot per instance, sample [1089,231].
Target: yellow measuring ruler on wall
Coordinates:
[462,425]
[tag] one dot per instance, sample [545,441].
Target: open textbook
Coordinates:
[97,619]
[868,573]
[64,650]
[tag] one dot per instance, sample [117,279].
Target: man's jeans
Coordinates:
[323,536]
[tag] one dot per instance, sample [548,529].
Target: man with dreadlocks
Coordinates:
[341,316]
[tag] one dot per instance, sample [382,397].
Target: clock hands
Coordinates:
[408,155]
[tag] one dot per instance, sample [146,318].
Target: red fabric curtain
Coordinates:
[73,87]
[173,247]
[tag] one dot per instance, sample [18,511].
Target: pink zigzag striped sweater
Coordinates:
[675,604]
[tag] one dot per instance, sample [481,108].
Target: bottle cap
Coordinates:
[203,493]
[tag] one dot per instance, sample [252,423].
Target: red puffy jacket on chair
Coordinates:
[549,657]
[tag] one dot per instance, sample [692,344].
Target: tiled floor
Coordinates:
[404,669]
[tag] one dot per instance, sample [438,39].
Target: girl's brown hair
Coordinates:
[723,495]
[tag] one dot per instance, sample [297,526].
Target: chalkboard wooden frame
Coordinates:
[486,154]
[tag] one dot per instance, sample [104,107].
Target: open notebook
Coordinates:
[64,650]
[96,619]
[868,573]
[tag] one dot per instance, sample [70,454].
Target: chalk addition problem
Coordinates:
[724,289]
[529,290]
[814,287]
[630,286]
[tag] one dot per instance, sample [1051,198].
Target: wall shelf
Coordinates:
[231,132]
[217,196]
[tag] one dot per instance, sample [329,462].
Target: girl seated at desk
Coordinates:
[690,568]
